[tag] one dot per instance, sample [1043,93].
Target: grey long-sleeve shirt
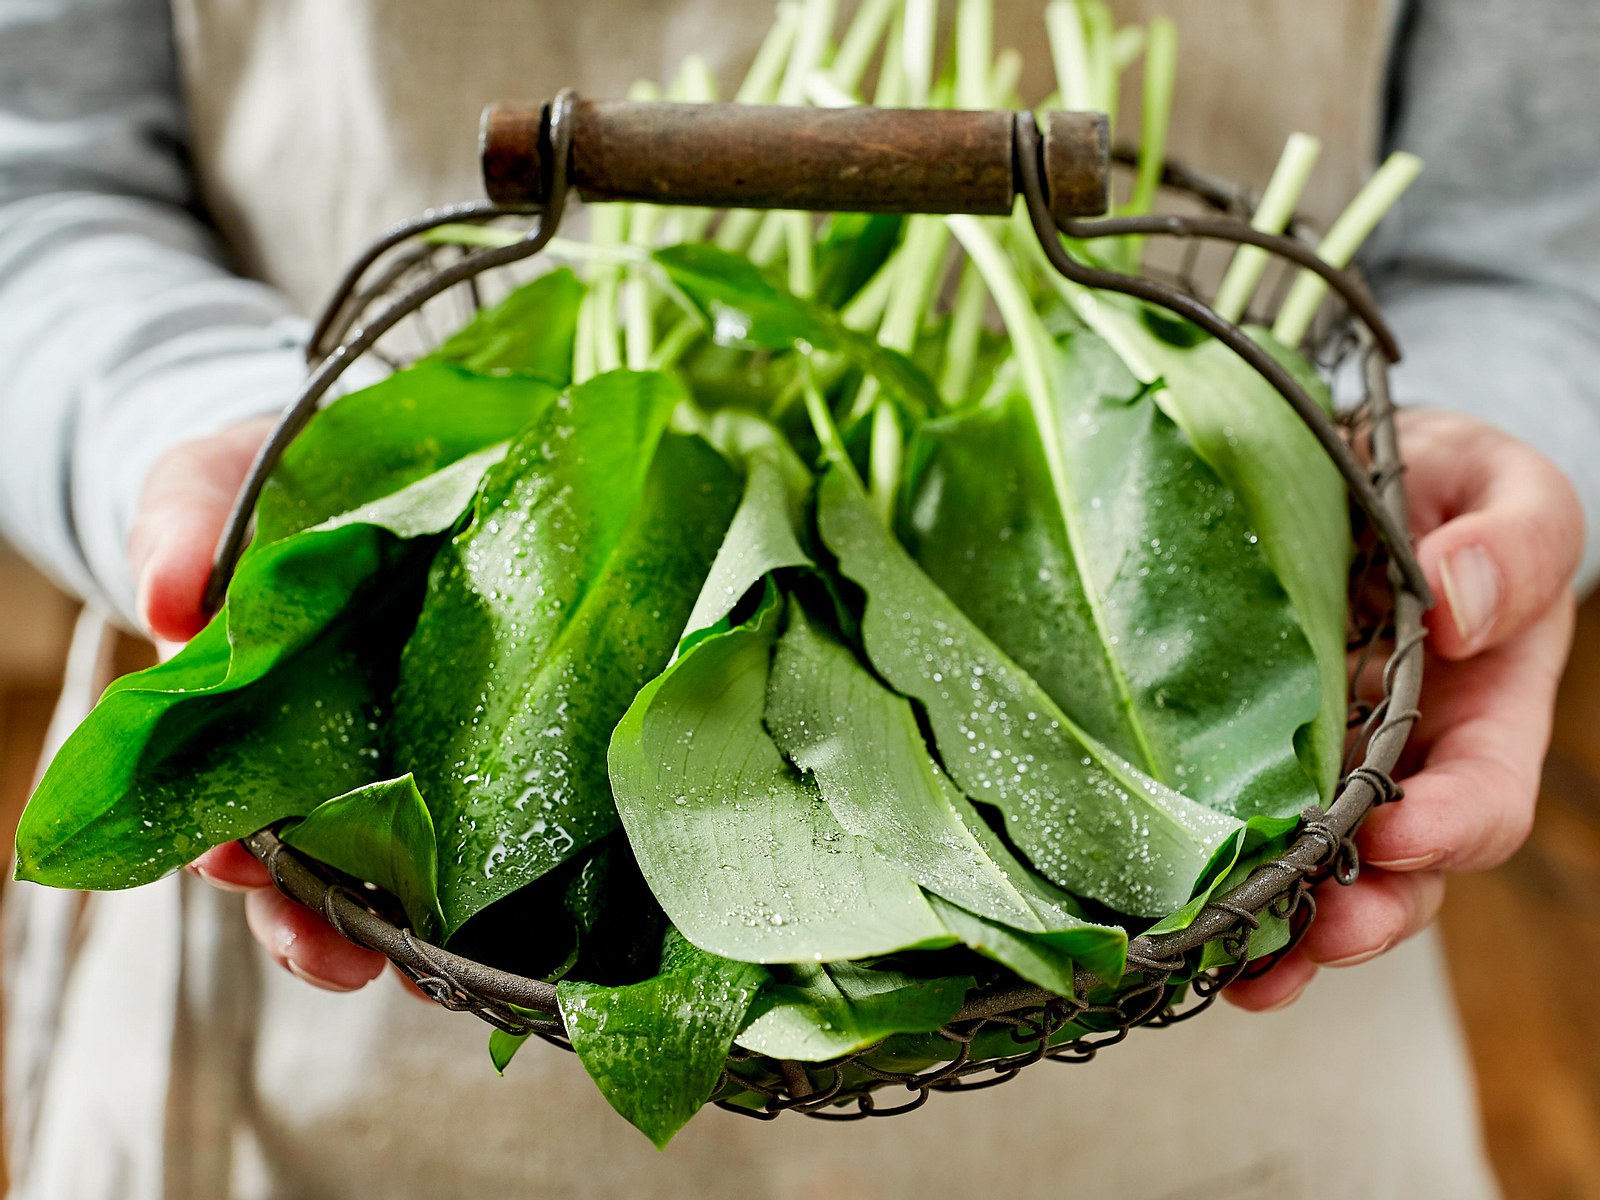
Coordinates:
[123,332]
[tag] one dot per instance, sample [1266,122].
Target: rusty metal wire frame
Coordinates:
[1007,1028]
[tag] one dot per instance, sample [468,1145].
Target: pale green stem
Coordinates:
[609,223]
[966,330]
[1004,81]
[917,265]
[802,267]
[673,346]
[761,87]
[1160,75]
[974,53]
[860,43]
[766,69]
[1272,215]
[866,307]
[822,423]
[1069,51]
[583,363]
[1342,241]
[773,231]
[1127,44]
[695,83]
[822,91]
[810,48]
[638,301]
[1098,30]
[891,90]
[921,27]
[885,461]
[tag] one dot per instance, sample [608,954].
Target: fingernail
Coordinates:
[1280,1005]
[1407,864]
[1472,585]
[326,985]
[1355,960]
[220,884]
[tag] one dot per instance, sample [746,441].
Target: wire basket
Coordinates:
[404,280]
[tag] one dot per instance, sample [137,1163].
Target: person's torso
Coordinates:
[317,125]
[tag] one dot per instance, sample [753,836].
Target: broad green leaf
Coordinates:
[1084,817]
[656,1049]
[1144,606]
[816,1011]
[761,539]
[273,708]
[852,248]
[532,331]
[382,834]
[1041,959]
[743,853]
[1295,498]
[564,595]
[862,744]
[371,443]
[745,308]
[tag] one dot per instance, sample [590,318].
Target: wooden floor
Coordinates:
[1524,942]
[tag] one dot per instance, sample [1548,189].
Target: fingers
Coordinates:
[1484,732]
[181,515]
[1503,530]
[1278,988]
[1353,925]
[297,938]
[232,868]
[307,946]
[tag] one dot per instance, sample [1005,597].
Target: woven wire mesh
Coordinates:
[422,290]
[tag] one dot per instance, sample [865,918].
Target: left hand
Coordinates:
[1500,534]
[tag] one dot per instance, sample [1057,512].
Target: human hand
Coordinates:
[181,515]
[1500,533]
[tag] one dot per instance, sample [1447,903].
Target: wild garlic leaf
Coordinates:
[381,833]
[861,743]
[1144,605]
[1295,498]
[656,1049]
[762,538]
[565,594]
[277,704]
[1085,818]
[531,332]
[370,444]
[816,1011]
[740,850]
[742,307]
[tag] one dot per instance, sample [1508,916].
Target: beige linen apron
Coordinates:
[177,1063]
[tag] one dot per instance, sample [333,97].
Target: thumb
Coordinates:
[182,511]
[1510,539]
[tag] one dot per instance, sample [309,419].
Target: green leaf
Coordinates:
[381,834]
[372,443]
[1084,817]
[761,539]
[564,595]
[743,853]
[1143,605]
[277,704]
[532,331]
[1294,496]
[817,1011]
[745,308]
[862,744]
[852,248]
[656,1049]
